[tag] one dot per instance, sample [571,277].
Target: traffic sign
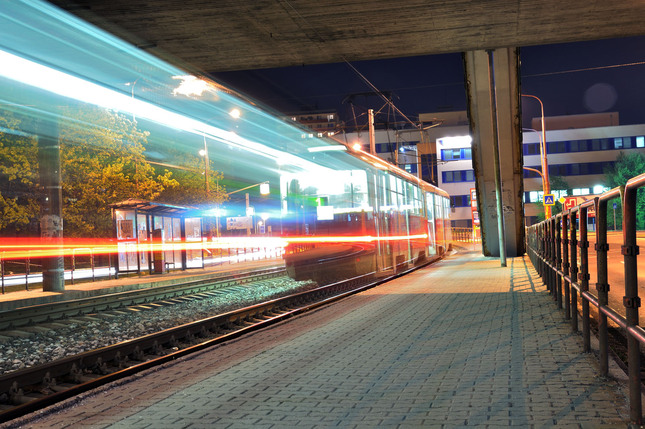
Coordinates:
[549,200]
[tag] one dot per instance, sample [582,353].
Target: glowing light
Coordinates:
[331,148]
[190,85]
[17,248]
[599,189]
[57,82]
[357,146]
[455,141]
[264,189]
[235,113]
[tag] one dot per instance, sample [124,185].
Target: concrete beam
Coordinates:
[506,77]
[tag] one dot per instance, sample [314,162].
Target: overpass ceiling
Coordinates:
[227,35]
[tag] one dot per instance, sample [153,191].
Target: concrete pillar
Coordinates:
[506,78]
[51,220]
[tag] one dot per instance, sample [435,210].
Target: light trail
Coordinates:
[23,248]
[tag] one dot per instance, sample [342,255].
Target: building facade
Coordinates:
[580,156]
[579,150]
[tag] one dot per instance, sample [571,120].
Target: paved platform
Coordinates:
[462,342]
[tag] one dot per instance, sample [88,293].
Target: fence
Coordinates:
[83,263]
[466,235]
[559,250]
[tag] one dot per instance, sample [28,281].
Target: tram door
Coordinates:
[432,238]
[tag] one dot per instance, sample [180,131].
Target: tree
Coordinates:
[192,190]
[103,162]
[19,206]
[626,167]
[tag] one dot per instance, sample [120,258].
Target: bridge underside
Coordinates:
[226,35]
[211,36]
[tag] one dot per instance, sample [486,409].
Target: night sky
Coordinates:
[563,76]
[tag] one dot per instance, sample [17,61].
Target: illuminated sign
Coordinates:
[240,222]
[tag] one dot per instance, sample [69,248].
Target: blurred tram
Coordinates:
[100,121]
[378,220]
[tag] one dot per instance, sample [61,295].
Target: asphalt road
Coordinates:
[615,269]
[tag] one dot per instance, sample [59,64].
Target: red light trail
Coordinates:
[22,248]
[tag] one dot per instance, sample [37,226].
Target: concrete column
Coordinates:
[506,78]
[51,220]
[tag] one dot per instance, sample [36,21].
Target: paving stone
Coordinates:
[460,342]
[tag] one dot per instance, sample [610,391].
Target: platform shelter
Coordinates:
[156,237]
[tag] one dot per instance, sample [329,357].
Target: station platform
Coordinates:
[17,298]
[462,342]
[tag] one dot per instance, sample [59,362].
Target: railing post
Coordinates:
[2,270]
[558,258]
[566,265]
[73,264]
[552,270]
[602,286]
[542,250]
[631,299]
[92,263]
[27,266]
[583,244]
[573,243]
[547,256]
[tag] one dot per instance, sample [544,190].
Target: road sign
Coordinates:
[571,202]
[549,200]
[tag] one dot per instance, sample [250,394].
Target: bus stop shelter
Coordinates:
[156,237]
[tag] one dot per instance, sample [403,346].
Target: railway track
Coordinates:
[34,388]
[50,312]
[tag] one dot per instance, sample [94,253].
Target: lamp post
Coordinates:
[131,85]
[546,186]
[204,153]
[264,190]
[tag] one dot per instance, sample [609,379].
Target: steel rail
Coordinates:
[42,313]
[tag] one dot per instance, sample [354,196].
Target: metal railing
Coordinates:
[559,250]
[84,264]
[466,235]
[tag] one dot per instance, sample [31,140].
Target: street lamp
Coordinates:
[546,185]
[204,153]
[132,84]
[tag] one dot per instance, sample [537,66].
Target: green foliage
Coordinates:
[103,162]
[191,189]
[626,167]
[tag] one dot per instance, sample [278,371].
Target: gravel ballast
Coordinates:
[77,335]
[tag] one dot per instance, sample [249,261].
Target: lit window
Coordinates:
[618,143]
[640,141]
[599,189]
[533,196]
